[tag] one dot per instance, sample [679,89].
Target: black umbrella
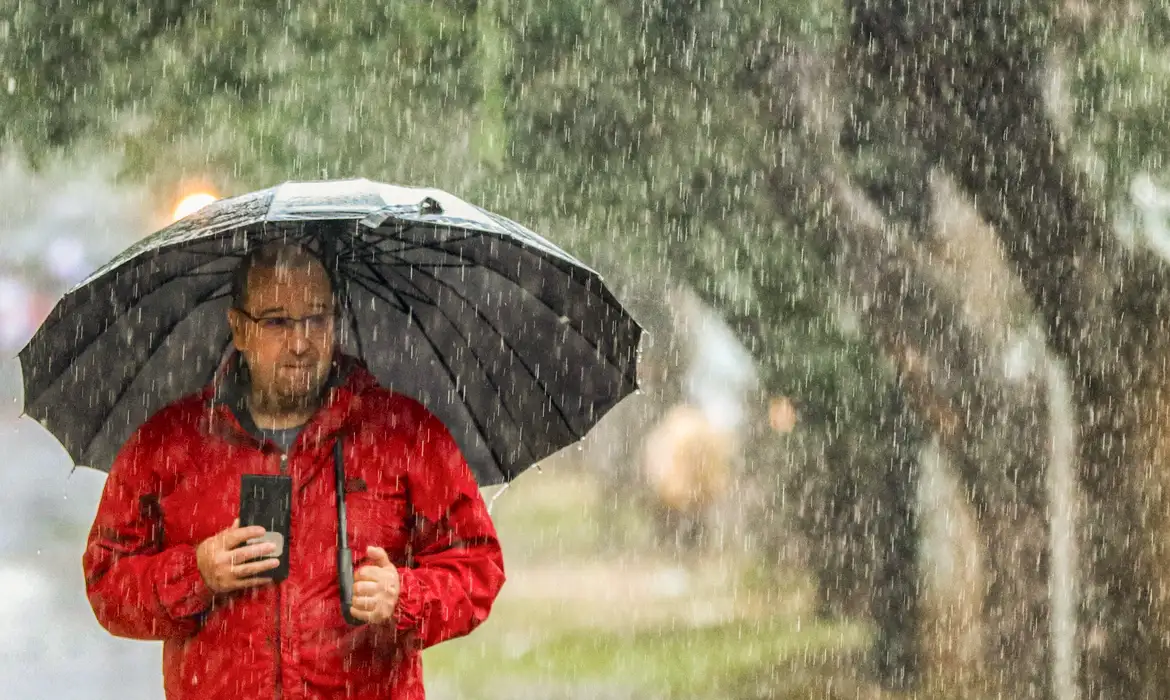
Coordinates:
[515,345]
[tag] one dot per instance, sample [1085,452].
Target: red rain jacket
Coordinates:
[176,482]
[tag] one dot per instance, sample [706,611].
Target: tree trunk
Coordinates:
[973,72]
[895,604]
[951,374]
[994,431]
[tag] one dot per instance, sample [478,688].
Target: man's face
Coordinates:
[285,332]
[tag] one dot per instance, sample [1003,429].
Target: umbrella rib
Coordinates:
[440,248]
[442,361]
[133,264]
[422,295]
[393,258]
[422,269]
[357,334]
[474,418]
[202,274]
[478,361]
[569,323]
[379,279]
[521,240]
[396,303]
[217,255]
[430,266]
[407,247]
[129,309]
[559,409]
[388,259]
[163,337]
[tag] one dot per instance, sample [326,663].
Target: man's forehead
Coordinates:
[307,283]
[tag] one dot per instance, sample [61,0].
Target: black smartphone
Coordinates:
[266,500]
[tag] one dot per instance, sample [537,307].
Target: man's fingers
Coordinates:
[362,615]
[248,583]
[237,536]
[242,571]
[366,588]
[378,556]
[364,602]
[369,573]
[252,551]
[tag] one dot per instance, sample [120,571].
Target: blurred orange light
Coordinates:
[782,414]
[193,203]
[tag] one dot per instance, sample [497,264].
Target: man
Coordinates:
[166,559]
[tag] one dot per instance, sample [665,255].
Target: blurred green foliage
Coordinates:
[628,131]
[628,128]
[1119,77]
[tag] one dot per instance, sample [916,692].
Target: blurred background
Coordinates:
[903,271]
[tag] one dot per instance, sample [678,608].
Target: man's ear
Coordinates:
[236,324]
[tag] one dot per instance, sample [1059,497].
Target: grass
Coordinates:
[575,622]
[669,661]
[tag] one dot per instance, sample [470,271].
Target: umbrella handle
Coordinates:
[344,555]
[345,579]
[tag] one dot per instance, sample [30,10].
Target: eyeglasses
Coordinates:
[314,323]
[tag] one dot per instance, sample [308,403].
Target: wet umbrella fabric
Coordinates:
[515,345]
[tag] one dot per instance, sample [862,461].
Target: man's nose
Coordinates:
[298,342]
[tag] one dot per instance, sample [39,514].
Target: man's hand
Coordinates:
[223,566]
[375,588]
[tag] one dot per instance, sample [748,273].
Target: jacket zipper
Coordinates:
[279,604]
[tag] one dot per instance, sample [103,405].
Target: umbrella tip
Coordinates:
[497,494]
[430,205]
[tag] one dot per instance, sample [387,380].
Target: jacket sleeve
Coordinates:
[458,567]
[136,588]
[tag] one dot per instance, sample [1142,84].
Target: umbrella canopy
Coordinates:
[515,345]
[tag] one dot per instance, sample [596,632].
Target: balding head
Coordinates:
[269,258]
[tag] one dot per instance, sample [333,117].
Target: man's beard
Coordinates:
[286,398]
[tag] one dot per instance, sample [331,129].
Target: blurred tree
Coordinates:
[976,75]
[207,88]
[650,117]
[627,121]
[712,197]
[633,122]
[651,137]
